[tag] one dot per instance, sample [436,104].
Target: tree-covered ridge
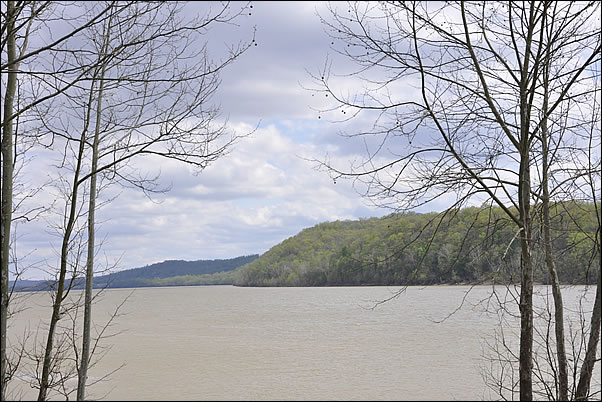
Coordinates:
[175,272]
[468,245]
[217,278]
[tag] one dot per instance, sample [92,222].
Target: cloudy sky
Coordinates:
[265,190]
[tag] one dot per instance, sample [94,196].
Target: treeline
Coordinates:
[175,273]
[217,278]
[469,245]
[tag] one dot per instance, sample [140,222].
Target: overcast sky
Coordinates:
[265,190]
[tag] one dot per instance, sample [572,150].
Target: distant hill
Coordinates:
[28,285]
[166,273]
[469,245]
[157,274]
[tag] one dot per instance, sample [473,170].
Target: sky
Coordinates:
[265,190]
[268,187]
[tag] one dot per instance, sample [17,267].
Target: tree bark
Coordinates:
[563,376]
[526,300]
[85,355]
[587,368]
[7,185]
[56,305]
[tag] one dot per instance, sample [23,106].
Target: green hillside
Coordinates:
[470,245]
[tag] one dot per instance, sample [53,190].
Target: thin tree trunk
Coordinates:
[524,202]
[85,355]
[526,290]
[56,306]
[7,185]
[563,376]
[563,379]
[526,308]
[587,368]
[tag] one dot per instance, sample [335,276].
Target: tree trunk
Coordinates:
[526,313]
[563,379]
[524,203]
[587,368]
[56,306]
[85,355]
[563,376]
[7,185]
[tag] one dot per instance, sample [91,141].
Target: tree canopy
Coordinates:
[468,245]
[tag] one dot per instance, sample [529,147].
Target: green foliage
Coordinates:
[217,278]
[469,245]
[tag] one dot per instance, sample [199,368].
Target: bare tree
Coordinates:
[454,95]
[545,201]
[22,21]
[160,79]
[7,173]
[152,91]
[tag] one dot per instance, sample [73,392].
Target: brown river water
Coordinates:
[324,343]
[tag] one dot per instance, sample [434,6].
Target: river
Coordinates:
[323,343]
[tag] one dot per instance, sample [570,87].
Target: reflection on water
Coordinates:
[232,343]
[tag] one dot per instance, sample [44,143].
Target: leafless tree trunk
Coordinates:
[587,369]
[86,336]
[7,182]
[65,252]
[563,380]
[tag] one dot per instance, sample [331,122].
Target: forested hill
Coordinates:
[171,272]
[470,245]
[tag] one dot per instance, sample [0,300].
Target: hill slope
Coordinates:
[470,245]
[166,273]
[174,272]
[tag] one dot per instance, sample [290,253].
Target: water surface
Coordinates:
[235,343]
